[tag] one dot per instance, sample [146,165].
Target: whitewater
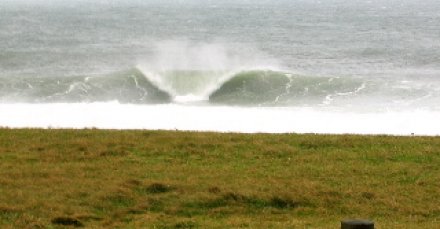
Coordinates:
[331,66]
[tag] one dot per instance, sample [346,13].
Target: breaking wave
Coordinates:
[248,87]
[125,87]
[268,87]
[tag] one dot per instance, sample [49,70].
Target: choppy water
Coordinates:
[285,60]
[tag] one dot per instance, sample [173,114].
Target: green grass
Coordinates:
[160,179]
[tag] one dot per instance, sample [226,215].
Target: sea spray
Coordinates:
[193,71]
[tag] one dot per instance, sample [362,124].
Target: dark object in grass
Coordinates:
[67,221]
[235,197]
[214,190]
[279,202]
[276,201]
[357,224]
[158,188]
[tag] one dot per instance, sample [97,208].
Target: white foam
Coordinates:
[215,118]
[190,98]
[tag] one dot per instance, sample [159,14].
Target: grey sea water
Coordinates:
[338,55]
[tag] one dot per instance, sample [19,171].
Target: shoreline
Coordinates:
[411,135]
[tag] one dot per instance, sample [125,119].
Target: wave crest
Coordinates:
[248,87]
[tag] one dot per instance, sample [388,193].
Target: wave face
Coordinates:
[261,87]
[247,87]
[125,87]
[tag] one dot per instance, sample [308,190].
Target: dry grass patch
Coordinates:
[160,179]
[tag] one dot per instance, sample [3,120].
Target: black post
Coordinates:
[357,224]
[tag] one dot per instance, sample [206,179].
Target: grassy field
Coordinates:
[159,179]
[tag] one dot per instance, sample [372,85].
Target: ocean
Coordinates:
[286,66]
